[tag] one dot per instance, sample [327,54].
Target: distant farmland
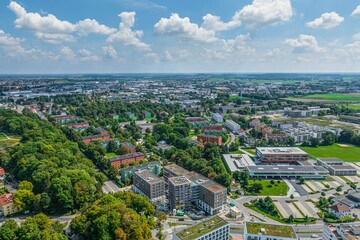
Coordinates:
[328,98]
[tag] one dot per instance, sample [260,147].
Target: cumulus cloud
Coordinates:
[184,28]
[109,52]
[213,22]
[263,13]
[356,12]
[7,40]
[326,21]
[53,30]
[126,35]
[87,56]
[304,43]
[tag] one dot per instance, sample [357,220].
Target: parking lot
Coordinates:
[298,209]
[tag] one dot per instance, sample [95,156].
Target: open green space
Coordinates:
[111,154]
[236,152]
[348,154]
[2,136]
[250,150]
[268,189]
[352,106]
[5,142]
[348,97]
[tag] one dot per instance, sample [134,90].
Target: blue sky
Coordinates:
[120,36]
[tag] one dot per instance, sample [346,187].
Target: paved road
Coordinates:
[232,138]
[110,187]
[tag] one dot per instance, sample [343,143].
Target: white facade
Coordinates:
[233,126]
[217,117]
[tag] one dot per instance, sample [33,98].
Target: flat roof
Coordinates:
[201,228]
[140,166]
[237,161]
[148,176]
[213,186]
[274,230]
[280,150]
[342,167]
[292,168]
[122,157]
[180,180]
[176,169]
[331,160]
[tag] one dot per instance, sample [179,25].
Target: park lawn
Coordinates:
[277,189]
[111,154]
[348,154]
[250,150]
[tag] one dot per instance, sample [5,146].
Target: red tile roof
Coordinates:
[2,171]
[5,199]
[340,208]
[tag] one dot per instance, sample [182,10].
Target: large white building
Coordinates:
[344,231]
[233,126]
[264,231]
[214,228]
[217,117]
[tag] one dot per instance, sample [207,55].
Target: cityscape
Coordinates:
[178,120]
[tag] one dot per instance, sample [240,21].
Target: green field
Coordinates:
[5,142]
[277,189]
[352,106]
[110,155]
[348,97]
[349,154]
[2,137]
[236,152]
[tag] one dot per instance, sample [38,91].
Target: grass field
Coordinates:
[5,142]
[236,152]
[277,189]
[110,155]
[2,137]
[349,154]
[349,97]
[352,106]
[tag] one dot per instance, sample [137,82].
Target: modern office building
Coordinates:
[337,167]
[237,162]
[233,126]
[148,184]
[264,231]
[179,192]
[127,173]
[280,154]
[217,117]
[269,171]
[214,228]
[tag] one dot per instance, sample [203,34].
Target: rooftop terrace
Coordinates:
[270,230]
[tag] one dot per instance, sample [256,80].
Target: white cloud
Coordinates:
[87,56]
[305,43]
[52,30]
[356,36]
[212,22]
[67,54]
[126,35]
[110,52]
[167,56]
[263,13]
[183,28]
[356,12]
[7,40]
[273,53]
[326,21]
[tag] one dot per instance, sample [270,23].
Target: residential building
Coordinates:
[196,121]
[173,170]
[293,171]
[126,174]
[2,173]
[131,148]
[148,184]
[337,167]
[339,210]
[179,192]
[64,119]
[280,154]
[100,137]
[343,231]
[265,231]
[217,117]
[146,114]
[214,228]
[212,197]
[126,159]
[213,129]
[79,127]
[254,122]
[7,206]
[209,138]
[233,126]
